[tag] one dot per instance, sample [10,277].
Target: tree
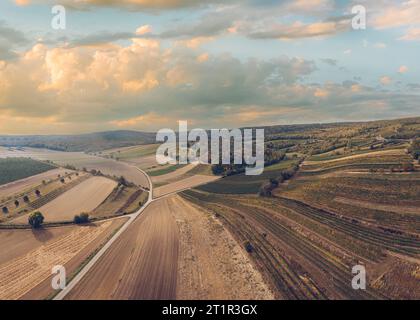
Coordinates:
[122,181]
[36,219]
[17,203]
[5,210]
[26,198]
[408,167]
[249,247]
[37,192]
[82,218]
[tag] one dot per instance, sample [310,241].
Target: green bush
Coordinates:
[82,218]
[36,219]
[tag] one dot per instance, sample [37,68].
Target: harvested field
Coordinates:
[174,175]
[144,162]
[133,152]
[380,159]
[211,264]
[122,200]
[173,251]
[375,199]
[141,264]
[84,197]
[29,200]
[29,255]
[81,160]
[21,185]
[379,206]
[365,154]
[183,184]
[306,241]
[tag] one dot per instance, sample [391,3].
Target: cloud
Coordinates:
[385,80]
[86,86]
[298,30]
[144,30]
[143,120]
[412,34]
[379,45]
[22,2]
[405,13]
[331,62]
[403,69]
[128,4]
[10,40]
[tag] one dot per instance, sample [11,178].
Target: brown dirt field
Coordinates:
[84,197]
[211,264]
[379,206]
[183,184]
[20,186]
[140,264]
[356,156]
[173,175]
[144,163]
[28,256]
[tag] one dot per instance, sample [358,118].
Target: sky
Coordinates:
[144,65]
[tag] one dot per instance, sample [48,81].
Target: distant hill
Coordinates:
[407,128]
[84,142]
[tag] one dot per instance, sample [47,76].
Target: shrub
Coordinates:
[37,192]
[122,181]
[408,167]
[36,219]
[5,210]
[16,203]
[26,198]
[248,247]
[82,218]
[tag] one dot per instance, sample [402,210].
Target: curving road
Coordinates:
[140,261]
[62,294]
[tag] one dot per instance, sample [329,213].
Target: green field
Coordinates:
[131,152]
[160,172]
[12,169]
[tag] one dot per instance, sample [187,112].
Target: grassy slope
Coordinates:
[12,169]
[243,184]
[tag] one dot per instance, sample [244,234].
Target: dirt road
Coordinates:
[140,264]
